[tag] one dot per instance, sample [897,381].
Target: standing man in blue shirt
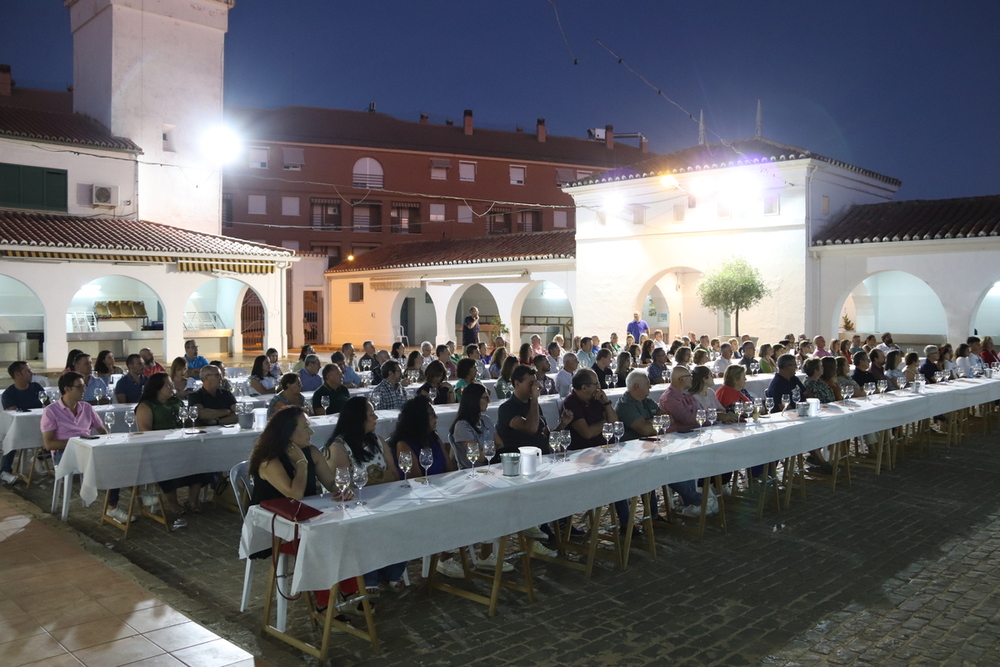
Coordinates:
[637,326]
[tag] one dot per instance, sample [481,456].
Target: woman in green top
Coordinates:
[290,394]
[766,358]
[158,410]
[467,372]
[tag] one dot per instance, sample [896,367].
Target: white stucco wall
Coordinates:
[141,66]
[305,275]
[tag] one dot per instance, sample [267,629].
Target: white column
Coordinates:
[445,299]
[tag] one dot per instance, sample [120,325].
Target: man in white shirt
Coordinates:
[555,353]
[725,359]
[564,380]
[886,346]
[973,363]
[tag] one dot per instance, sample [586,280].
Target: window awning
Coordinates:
[565,176]
[440,164]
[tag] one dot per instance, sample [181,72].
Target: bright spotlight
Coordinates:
[220,145]
[702,187]
[614,203]
[670,181]
[743,186]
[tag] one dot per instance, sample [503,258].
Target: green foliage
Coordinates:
[734,286]
[847,322]
[499,328]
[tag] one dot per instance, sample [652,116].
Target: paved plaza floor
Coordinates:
[899,569]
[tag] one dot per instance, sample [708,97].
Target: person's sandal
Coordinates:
[372,592]
[397,587]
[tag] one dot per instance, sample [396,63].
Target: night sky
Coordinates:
[906,88]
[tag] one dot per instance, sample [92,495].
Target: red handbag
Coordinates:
[296,512]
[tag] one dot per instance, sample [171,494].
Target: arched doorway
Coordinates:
[417,315]
[669,302]
[211,317]
[252,321]
[546,311]
[109,312]
[22,321]
[897,302]
[476,295]
[987,318]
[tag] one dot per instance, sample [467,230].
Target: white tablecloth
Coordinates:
[400,524]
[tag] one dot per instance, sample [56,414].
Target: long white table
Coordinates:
[401,524]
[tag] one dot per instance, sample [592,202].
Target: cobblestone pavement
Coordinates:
[899,569]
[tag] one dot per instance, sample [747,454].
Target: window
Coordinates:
[291,245]
[367,218]
[516,175]
[293,158]
[638,214]
[564,176]
[257,204]
[258,158]
[826,205]
[772,204]
[498,221]
[437,213]
[332,253]
[679,210]
[723,209]
[227,210]
[580,175]
[559,219]
[405,218]
[325,213]
[465,214]
[467,171]
[368,174]
[355,292]
[439,169]
[289,206]
[529,221]
[37,188]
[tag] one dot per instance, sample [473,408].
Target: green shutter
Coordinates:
[55,190]
[10,185]
[33,187]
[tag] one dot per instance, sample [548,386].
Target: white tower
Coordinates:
[152,72]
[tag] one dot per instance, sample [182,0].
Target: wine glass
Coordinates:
[325,402]
[785,400]
[406,465]
[565,438]
[366,365]
[182,415]
[869,389]
[433,393]
[375,399]
[711,414]
[472,450]
[342,479]
[193,415]
[607,430]
[619,432]
[796,395]
[848,391]
[489,450]
[555,441]
[426,461]
[666,423]
[98,394]
[768,405]
[613,381]
[109,419]
[42,397]
[129,419]
[359,474]
[758,406]
[882,386]
[700,417]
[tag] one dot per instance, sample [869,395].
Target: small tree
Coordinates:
[734,286]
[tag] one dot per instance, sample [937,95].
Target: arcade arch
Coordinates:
[895,301]
[22,321]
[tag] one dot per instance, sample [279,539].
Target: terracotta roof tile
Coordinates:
[476,250]
[46,230]
[915,220]
[59,127]
[342,127]
[749,151]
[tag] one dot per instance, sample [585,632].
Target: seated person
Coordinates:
[105,366]
[591,409]
[702,389]
[261,381]
[225,384]
[829,376]
[496,361]
[467,372]
[893,372]
[844,378]
[504,386]
[351,377]
[22,395]
[290,394]
[195,362]
[602,368]
[389,394]
[309,374]
[183,383]
[542,368]
[95,385]
[354,444]
[725,359]
[733,389]
[303,353]
[747,352]
[785,383]
[472,352]
[862,362]
[71,417]
[444,356]
[930,367]
[159,411]
[436,386]
[416,429]
[333,389]
[216,406]
[564,378]
[129,388]
[658,369]
[520,421]
[815,386]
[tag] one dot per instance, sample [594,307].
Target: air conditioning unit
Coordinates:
[104,195]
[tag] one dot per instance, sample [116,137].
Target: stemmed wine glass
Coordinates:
[768,406]
[711,414]
[406,465]
[325,402]
[473,454]
[342,478]
[98,394]
[426,460]
[848,391]
[366,365]
[359,474]
[607,430]
[374,398]
[613,381]
[555,442]
[883,385]
[432,392]
[109,419]
[129,419]
[182,415]
[619,431]
[796,395]
[193,416]
[565,437]
[785,400]
[489,449]
[869,389]
[42,397]
[700,417]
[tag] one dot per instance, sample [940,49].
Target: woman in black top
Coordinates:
[435,377]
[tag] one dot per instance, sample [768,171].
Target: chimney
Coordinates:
[540,130]
[467,122]
[643,144]
[424,118]
[5,81]
[518,128]
[609,136]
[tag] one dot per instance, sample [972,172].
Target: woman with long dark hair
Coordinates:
[354,444]
[158,410]
[623,367]
[398,352]
[504,386]
[414,362]
[496,361]
[70,358]
[303,353]
[646,355]
[436,378]
[524,354]
[415,430]
[261,381]
[105,365]
[472,423]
